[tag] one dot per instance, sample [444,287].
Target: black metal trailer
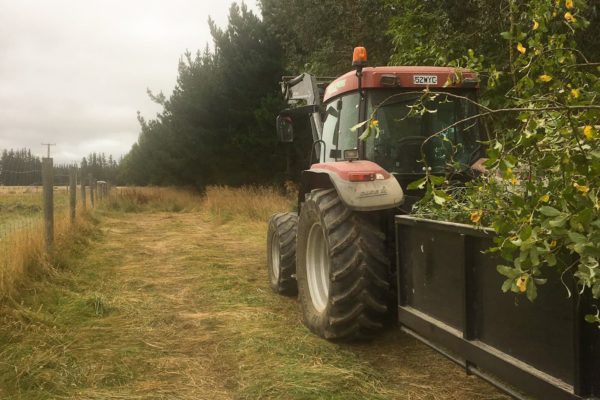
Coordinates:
[450,298]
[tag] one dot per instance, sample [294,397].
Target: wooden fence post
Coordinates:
[91,181]
[82,183]
[96,194]
[48,183]
[73,192]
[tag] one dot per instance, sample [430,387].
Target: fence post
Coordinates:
[73,192]
[91,181]
[48,183]
[82,183]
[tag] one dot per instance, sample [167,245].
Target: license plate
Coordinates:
[425,79]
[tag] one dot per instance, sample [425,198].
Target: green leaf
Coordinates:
[559,221]
[360,124]
[439,200]
[550,211]
[506,35]
[596,290]
[531,290]
[377,132]
[418,184]
[577,238]
[365,135]
[591,318]
[506,285]
[526,232]
[507,271]
[534,256]
[551,259]
[437,180]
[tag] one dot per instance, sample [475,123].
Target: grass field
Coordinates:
[22,205]
[22,233]
[167,298]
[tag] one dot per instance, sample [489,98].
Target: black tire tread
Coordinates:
[286,225]
[359,286]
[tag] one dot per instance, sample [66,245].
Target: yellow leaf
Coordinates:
[569,3]
[545,78]
[476,216]
[553,244]
[521,48]
[575,93]
[545,198]
[569,17]
[535,25]
[522,283]
[581,188]
[588,132]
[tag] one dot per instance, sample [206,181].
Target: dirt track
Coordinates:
[176,306]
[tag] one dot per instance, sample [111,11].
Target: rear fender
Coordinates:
[384,192]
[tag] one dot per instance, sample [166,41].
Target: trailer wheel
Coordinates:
[342,269]
[281,253]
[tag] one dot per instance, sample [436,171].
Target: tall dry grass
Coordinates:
[221,202]
[254,203]
[23,252]
[137,199]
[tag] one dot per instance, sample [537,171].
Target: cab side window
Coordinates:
[341,116]
[348,118]
[330,128]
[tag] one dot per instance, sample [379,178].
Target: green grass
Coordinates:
[164,305]
[23,206]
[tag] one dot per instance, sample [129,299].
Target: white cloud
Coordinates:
[75,72]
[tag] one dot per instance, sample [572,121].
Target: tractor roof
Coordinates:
[403,77]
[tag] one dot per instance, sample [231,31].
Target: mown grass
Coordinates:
[176,305]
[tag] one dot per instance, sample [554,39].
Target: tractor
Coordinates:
[337,253]
[356,258]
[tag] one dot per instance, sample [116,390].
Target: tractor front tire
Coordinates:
[281,253]
[342,269]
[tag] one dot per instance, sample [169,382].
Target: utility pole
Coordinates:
[48,145]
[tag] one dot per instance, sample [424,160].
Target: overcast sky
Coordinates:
[75,73]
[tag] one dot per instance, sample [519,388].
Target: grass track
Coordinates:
[176,306]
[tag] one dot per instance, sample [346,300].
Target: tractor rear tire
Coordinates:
[281,253]
[342,269]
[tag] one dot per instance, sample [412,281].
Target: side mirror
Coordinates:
[285,132]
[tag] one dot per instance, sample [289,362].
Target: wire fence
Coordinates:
[22,196]
[37,199]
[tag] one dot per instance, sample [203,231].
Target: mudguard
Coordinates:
[379,191]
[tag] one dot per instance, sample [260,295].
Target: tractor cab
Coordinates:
[404,121]
[407,140]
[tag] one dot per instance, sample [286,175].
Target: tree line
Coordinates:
[217,127]
[21,168]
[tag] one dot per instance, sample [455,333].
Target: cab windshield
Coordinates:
[405,145]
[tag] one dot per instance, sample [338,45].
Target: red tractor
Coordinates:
[356,257]
[338,251]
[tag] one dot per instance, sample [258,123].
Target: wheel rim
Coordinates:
[317,267]
[275,257]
